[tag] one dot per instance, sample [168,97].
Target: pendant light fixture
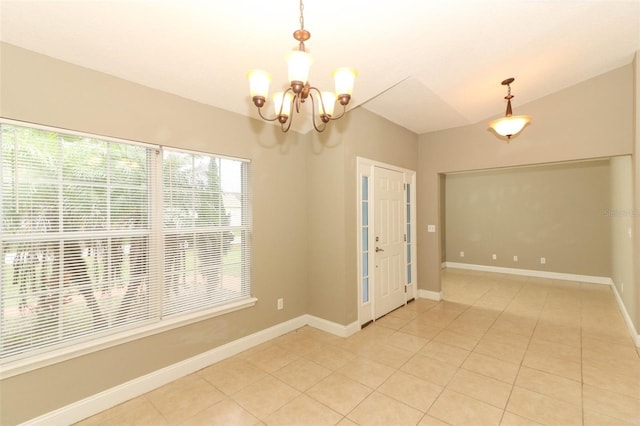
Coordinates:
[299,90]
[509,125]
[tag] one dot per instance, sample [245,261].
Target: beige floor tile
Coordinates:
[379,409]
[612,377]
[301,374]
[339,393]
[551,385]
[265,396]
[302,346]
[428,420]
[492,367]
[445,353]
[464,341]
[304,410]
[457,409]
[556,333]
[407,342]
[611,404]
[543,409]
[404,312]
[370,373]
[225,412]
[550,363]
[510,419]
[430,369]
[346,422]
[388,355]
[331,357]
[482,388]
[496,349]
[418,328]
[232,374]
[393,322]
[559,350]
[415,392]
[514,324]
[597,419]
[137,411]
[271,359]
[184,397]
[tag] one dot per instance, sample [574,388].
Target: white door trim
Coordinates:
[365,168]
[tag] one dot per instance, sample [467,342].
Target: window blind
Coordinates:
[98,236]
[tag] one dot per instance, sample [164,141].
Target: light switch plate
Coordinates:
[431,228]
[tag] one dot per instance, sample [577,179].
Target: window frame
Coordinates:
[49,355]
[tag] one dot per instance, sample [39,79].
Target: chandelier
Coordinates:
[299,90]
[509,125]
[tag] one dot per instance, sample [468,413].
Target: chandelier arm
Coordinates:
[266,118]
[320,128]
[322,111]
[289,121]
[344,110]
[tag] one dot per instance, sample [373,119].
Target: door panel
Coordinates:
[389,224]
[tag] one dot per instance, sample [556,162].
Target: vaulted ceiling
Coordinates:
[423,64]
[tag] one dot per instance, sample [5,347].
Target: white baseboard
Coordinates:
[632,329]
[532,273]
[431,295]
[332,327]
[94,404]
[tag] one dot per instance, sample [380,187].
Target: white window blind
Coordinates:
[206,231]
[98,236]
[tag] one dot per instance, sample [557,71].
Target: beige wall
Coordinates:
[333,277]
[46,91]
[553,211]
[636,187]
[621,219]
[592,119]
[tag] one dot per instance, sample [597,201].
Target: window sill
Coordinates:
[20,366]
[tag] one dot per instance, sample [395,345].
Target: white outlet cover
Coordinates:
[515,258]
[431,228]
[461,254]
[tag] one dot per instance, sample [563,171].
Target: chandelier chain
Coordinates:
[301,15]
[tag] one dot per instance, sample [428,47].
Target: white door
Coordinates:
[389,245]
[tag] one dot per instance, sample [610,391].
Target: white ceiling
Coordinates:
[423,64]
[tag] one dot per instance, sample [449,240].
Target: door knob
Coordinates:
[378,249]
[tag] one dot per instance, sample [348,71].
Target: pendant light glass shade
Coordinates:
[299,63]
[282,101]
[510,126]
[344,79]
[259,82]
[329,102]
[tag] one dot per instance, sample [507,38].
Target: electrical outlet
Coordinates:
[461,254]
[543,260]
[280,304]
[621,287]
[431,228]
[515,258]
[494,256]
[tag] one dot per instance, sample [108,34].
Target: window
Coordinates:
[101,236]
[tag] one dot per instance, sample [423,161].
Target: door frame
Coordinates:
[366,169]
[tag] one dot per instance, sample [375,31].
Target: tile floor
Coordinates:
[498,350]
